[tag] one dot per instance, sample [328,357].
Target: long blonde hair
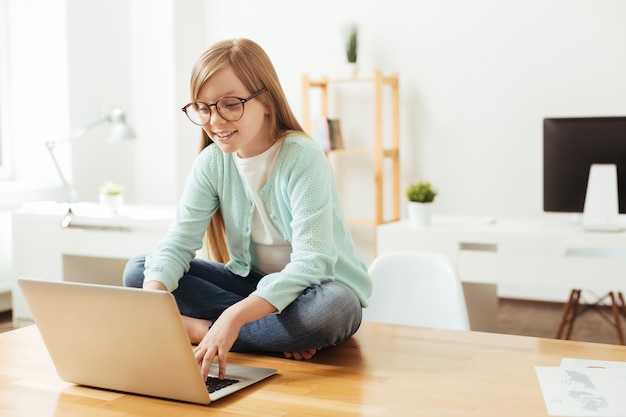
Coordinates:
[255,70]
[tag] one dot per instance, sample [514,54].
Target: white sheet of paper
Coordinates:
[590,363]
[583,391]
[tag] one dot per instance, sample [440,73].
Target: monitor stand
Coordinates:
[601,211]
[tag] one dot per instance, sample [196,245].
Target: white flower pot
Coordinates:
[352,69]
[420,214]
[113,202]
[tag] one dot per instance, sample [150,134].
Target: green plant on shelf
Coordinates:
[111,188]
[421,192]
[352,44]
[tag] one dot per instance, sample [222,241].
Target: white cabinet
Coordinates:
[521,258]
[5,261]
[94,249]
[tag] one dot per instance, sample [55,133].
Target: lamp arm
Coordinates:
[67,220]
[80,131]
[51,146]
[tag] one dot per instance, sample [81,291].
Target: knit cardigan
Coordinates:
[302,200]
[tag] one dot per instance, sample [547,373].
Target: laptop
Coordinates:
[125,339]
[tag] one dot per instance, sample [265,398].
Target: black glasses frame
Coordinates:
[242,100]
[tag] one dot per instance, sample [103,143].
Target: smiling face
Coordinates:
[248,136]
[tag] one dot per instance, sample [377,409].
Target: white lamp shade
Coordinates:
[119,130]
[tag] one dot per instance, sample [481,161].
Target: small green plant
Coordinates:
[421,192]
[352,44]
[111,188]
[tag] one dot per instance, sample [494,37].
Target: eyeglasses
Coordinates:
[230,108]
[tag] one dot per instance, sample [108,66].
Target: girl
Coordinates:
[285,275]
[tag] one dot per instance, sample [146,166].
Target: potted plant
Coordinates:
[112,196]
[351,48]
[420,197]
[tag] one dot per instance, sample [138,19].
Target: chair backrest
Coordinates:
[417,289]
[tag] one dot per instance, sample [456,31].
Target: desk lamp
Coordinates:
[119,131]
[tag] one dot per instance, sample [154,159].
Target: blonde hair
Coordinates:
[255,70]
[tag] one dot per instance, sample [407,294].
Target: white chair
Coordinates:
[417,289]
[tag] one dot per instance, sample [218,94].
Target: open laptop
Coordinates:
[124,339]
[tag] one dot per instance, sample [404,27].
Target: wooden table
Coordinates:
[385,370]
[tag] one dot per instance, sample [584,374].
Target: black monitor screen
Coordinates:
[570,146]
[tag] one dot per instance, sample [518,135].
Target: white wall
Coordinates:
[74,58]
[476,80]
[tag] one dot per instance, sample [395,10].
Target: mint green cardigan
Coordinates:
[302,200]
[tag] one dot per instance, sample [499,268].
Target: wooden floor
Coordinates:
[520,317]
[541,319]
[5,321]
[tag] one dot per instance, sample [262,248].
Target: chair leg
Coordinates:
[623,304]
[616,317]
[569,312]
[573,314]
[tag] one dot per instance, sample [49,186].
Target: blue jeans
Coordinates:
[322,316]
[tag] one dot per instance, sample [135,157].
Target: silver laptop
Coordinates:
[124,339]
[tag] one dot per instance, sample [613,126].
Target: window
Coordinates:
[5,165]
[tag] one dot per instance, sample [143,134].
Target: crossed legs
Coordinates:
[323,316]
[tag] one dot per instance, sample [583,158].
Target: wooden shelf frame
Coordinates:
[378,83]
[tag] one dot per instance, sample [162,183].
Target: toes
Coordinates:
[306,355]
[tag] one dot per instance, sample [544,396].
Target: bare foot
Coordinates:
[306,355]
[196,328]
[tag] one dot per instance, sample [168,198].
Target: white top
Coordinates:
[270,252]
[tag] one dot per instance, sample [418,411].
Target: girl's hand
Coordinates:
[224,332]
[217,342]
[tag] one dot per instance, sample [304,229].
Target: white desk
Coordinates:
[95,248]
[522,258]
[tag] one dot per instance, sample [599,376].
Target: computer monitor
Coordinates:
[570,147]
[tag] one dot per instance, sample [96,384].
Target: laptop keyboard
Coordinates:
[214,384]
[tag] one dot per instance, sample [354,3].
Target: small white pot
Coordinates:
[113,202]
[420,214]
[352,69]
